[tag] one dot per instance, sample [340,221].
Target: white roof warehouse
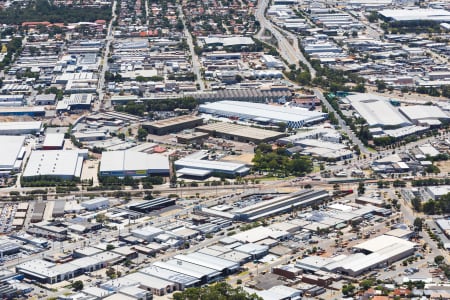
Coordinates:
[293,117]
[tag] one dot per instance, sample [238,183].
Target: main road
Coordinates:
[352,136]
[196,66]
[290,52]
[104,66]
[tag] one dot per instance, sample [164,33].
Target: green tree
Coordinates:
[439,259]
[142,134]
[361,188]
[381,85]
[416,203]
[418,223]
[78,285]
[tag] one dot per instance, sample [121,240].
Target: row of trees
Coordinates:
[130,181]
[139,109]
[219,291]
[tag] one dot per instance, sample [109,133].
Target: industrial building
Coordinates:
[45,99]
[202,168]
[96,203]
[263,113]
[32,111]
[222,265]
[444,225]
[12,100]
[152,205]
[19,128]
[38,212]
[133,163]
[8,248]
[429,115]
[415,14]
[252,95]
[12,152]
[282,204]
[182,281]
[377,111]
[372,254]
[172,125]
[49,272]
[65,164]
[437,191]
[203,274]
[157,286]
[75,102]
[240,133]
[147,233]
[192,138]
[58,208]
[53,141]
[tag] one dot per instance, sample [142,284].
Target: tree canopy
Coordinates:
[43,10]
[219,291]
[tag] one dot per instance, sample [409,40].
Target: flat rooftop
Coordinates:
[241,131]
[173,121]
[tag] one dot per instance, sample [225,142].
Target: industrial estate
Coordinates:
[223,149]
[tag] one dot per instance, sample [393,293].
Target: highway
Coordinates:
[290,52]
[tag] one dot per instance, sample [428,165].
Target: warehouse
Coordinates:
[256,251]
[58,208]
[147,233]
[19,128]
[415,14]
[375,253]
[240,133]
[32,111]
[133,163]
[251,95]
[8,248]
[282,204]
[192,138]
[377,111]
[38,212]
[444,225]
[45,99]
[75,102]
[64,164]
[96,203]
[203,274]
[172,125]
[152,205]
[425,114]
[222,265]
[263,113]
[158,287]
[11,153]
[201,168]
[182,281]
[53,141]
[437,192]
[12,100]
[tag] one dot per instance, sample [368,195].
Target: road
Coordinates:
[104,66]
[290,52]
[341,122]
[196,66]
